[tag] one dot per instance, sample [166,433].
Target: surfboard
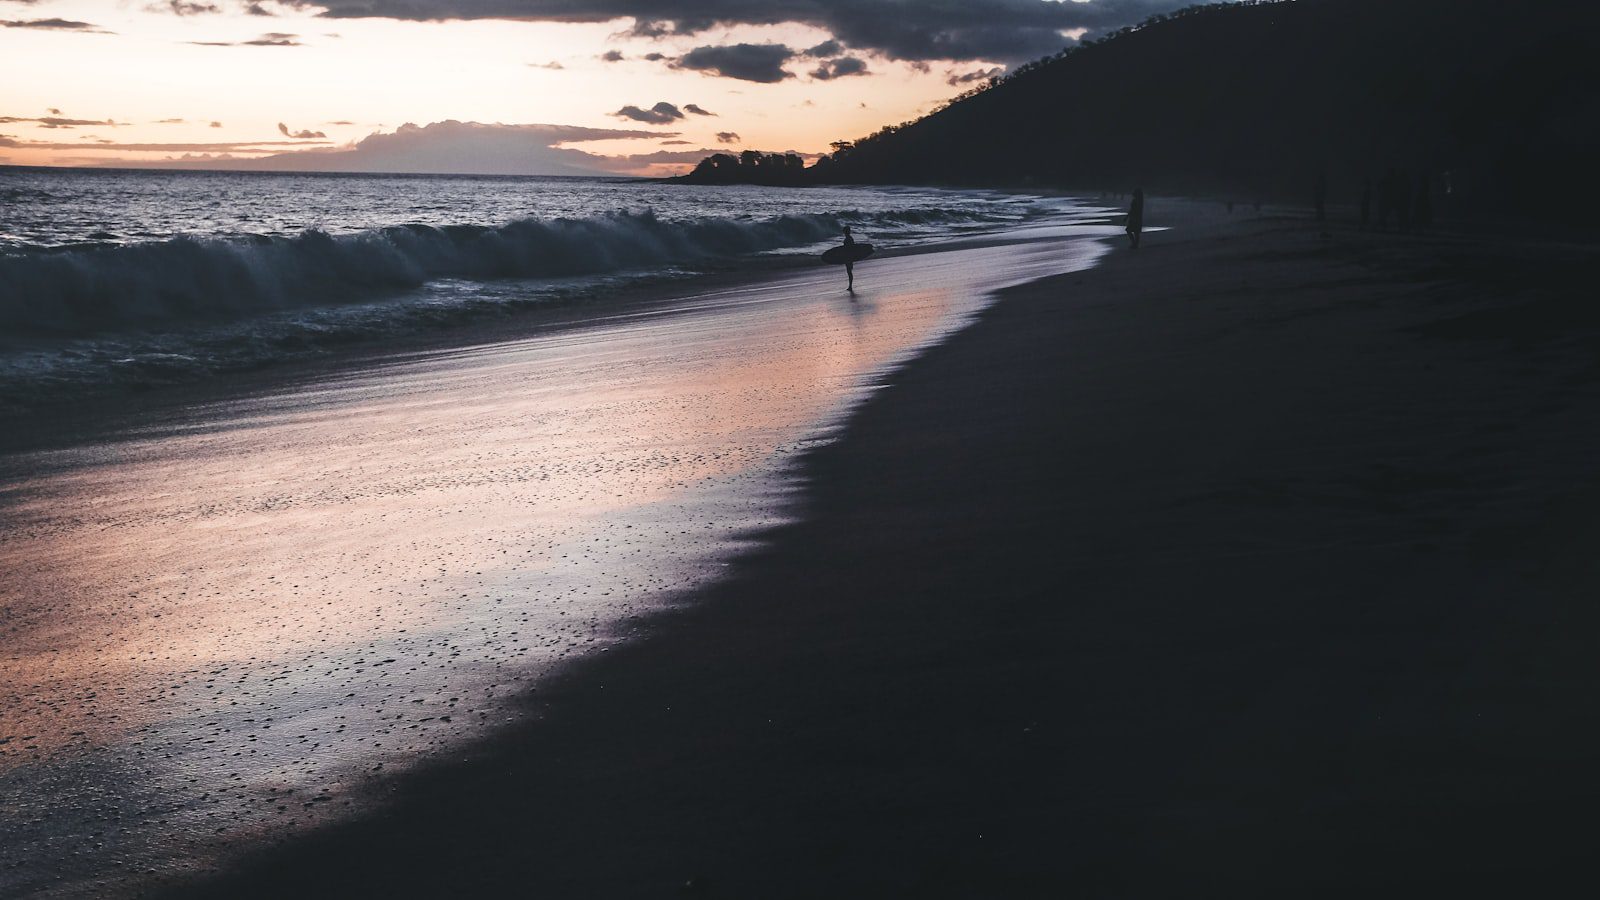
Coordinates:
[848,253]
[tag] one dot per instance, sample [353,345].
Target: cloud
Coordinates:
[697,110]
[154,147]
[54,25]
[547,65]
[997,30]
[453,147]
[676,143]
[612,56]
[304,135]
[761,63]
[826,48]
[274,39]
[728,137]
[841,67]
[648,28]
[169,122]
[216,124]
[449,147]
[185,8]
[954,78]
[662,113]
[340,122]
[655,57]
[58,121]
[270,39]
[634,163]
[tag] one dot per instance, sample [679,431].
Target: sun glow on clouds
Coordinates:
[349,78]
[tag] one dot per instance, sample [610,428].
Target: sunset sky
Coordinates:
[512,86]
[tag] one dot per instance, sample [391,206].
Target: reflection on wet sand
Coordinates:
[224,627]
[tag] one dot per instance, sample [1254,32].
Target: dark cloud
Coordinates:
[256,9]
[761,63]
[612,56]
[340,122]
[662,113]
[826,48]
[697,110]
[954,78]
[54,25]
[998,30]
[840,67]
[304,135]
[655,57]
[728,137]
[676,143]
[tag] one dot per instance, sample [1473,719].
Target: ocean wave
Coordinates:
[106,287]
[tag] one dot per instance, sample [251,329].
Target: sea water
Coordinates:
[113,280]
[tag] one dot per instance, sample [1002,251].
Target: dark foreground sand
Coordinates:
[1247,564]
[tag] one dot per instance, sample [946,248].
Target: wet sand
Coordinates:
[1247,564]
[235,615]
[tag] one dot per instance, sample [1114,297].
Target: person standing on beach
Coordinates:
[849,264]
[1136,217]
[1422,210]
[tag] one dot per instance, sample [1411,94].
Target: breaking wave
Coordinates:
[95,288]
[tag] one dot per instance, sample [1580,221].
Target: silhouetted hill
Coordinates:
[1494,99]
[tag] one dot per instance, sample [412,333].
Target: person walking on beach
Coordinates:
[849,264]
[1136,217]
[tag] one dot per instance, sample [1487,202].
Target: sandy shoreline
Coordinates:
[1247,563]
[246,611]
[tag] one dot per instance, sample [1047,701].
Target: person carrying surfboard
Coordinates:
[850,264]
[848,255]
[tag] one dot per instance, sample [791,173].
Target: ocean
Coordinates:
[119,280]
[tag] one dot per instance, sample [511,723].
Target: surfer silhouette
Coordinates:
[848,254]
[850,265]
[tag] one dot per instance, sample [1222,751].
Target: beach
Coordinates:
[1246,564]
[240,608]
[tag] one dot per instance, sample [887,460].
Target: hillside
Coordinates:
[1495,100]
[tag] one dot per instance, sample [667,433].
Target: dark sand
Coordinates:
[1247,564]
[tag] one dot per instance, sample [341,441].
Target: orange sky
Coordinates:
[155,93]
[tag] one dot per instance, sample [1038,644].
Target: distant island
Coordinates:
[1491,103]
